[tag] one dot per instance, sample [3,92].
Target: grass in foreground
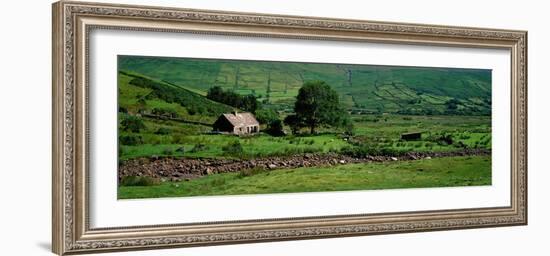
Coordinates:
[438,172]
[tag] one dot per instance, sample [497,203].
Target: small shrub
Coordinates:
[165,112]
[191,111]
[178,139]
[139,181]
[130,140]
[234,149]
[445,139]
[168,151]
[132,123]
[155,140]
[295,140]
[452,104]
[142,102]
[441,139]
[461,144]
[121,151]
[163,131]
[198,147]
[464,136]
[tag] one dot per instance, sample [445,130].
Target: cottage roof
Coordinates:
[241,119]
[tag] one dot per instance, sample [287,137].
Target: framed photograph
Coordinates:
[179,127]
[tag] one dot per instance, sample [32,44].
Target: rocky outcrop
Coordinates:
[176,169]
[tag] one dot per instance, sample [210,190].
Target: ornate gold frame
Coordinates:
[72,21]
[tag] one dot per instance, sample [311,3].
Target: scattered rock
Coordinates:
[166,168]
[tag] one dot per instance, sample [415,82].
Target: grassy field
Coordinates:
[186,140]
[211,146]
[437,172]
[384,131]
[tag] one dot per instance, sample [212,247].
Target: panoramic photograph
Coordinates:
[204,127]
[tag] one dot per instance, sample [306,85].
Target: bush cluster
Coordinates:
[199,147]
[246,103]
[130,140]
[132,123]
[166,112]
[163,131]
[233,149]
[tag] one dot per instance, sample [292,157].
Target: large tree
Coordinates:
[294,122]
[317,104]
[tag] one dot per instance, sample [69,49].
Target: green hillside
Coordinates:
[145,94]
[363,88]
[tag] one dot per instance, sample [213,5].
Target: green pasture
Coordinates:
[211,146]
[437,172]
[189,140]
[385,131]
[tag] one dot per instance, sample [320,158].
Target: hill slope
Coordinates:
[363,88]
[141,93]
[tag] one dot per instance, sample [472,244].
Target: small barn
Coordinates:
[237,123]
[411,136]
